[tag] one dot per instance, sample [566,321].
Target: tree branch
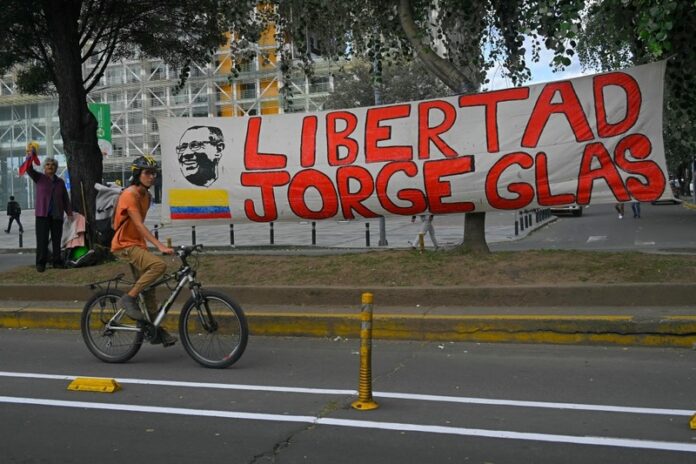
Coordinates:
[46,59]
[97,39]
[102,65]
[441,68]
[85,30]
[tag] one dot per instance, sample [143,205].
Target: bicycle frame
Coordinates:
[185,276]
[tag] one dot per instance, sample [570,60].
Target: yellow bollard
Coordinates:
[421,242]
[692,422]
[365,401]
[169,242]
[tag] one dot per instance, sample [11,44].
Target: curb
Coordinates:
[677,331]
[621,295]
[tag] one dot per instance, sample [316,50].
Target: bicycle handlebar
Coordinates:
[185,251]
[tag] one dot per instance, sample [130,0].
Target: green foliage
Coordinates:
[458,40]
[620,33]
[399,82]
[105,30]
[34,79]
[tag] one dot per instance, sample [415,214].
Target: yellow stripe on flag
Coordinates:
[194,197]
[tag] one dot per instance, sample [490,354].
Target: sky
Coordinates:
[541,71]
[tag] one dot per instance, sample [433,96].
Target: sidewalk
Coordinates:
[341,235]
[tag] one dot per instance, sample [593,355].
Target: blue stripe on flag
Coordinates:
[199,209]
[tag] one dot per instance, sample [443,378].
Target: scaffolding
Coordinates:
[141,90]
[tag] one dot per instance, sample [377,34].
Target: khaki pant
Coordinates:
[147,268]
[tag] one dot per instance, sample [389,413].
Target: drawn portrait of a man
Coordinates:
[199,152]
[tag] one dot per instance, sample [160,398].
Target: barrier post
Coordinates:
[367,234]
[521,221]
[314,233]
[365,401]
[272,234]
[21,239]
[231,234]
[157,231]
[193,235]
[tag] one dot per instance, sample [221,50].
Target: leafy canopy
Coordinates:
[459,40]
[107,30]
[621,33]
[398,82]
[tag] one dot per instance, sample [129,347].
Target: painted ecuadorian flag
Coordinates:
[199,204]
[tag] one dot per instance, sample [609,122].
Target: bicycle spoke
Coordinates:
[214,334]
[101,330]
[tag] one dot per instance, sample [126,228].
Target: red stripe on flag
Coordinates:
[221,215]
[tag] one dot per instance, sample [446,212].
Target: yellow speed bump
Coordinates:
[94,384]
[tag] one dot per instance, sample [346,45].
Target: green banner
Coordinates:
[102,111]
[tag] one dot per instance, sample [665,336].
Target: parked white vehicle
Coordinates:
[575,210]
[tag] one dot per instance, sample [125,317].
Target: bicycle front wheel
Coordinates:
[108,339]
[214,330]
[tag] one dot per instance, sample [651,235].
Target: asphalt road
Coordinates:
[660,227]
[583,404]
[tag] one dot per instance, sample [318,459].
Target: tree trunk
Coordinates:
[475,233]
[78,127]
[474,223]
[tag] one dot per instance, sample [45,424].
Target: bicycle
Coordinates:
[212,327]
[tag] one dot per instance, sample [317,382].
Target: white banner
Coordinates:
[593,139]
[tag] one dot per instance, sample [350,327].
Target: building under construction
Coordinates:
[140,91]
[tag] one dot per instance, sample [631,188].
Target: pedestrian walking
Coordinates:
[52,203]
[14,211]
[619,207]
[426,228]
[635,206]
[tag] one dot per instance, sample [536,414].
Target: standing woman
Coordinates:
[52,202]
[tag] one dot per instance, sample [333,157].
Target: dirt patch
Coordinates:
[405,268]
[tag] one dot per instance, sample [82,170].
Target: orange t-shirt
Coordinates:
[127,234]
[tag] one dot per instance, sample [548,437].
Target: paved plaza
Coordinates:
[449,231]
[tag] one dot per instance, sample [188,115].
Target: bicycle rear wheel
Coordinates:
[108,344]
[213,332]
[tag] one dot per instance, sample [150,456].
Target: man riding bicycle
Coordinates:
[129,243]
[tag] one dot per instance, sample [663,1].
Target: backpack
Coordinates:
[107,199]
[13,209]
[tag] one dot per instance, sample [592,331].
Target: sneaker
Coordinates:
[164,337]
[620,216]
[128,303]
[40,267]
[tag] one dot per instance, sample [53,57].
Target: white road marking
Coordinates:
[596,238]
[395,426]
[638,243]
[376,394]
